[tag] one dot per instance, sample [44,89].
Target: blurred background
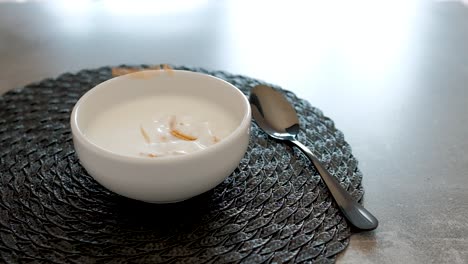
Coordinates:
[305,44]
[393,76]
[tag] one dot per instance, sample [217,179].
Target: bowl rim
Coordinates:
[79,135]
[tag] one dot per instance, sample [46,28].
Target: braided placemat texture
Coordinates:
[273,209]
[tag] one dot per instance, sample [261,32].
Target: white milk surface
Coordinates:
[144,127]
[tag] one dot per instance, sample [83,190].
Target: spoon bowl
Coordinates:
[276,116]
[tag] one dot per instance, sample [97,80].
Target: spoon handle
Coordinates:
[356,214]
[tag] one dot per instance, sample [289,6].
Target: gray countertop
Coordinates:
[393,75]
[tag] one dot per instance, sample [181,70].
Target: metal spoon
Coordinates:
[276,116]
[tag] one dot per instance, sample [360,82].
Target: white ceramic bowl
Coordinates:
[170,178]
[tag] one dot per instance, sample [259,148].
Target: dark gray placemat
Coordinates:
[273,208]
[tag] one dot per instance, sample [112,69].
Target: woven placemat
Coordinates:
[273,209]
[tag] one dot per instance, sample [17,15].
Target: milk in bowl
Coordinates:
[160,126]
